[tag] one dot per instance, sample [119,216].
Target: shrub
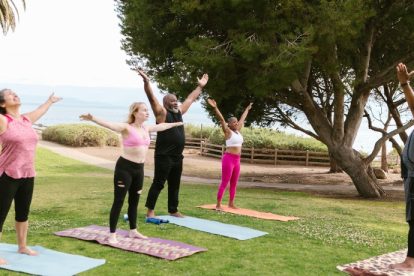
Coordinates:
[261,138]
[196,131]
[81,135]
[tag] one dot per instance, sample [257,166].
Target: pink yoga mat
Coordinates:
[166,249]
[249,213]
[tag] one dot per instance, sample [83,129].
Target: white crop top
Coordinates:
[235,140]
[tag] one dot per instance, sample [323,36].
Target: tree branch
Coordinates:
[293,125]
[384,138]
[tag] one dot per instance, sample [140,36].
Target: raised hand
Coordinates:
[402,73]
[144,76]
[203,81]
[212,102]
[249,106]
[53,98]
[86,117]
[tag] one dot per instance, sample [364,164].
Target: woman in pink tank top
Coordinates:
[230,162]
[18,144]
[129,169]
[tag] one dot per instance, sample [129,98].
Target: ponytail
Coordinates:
[2,109]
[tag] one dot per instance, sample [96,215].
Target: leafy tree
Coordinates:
[8,13]
[316,59]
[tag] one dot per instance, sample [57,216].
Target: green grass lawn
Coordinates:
[330,232]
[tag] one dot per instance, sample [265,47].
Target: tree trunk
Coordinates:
[334,167]
[384,161]
[362,175]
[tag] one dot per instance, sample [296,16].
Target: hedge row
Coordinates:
[84,135]
[259,138]
[81,135]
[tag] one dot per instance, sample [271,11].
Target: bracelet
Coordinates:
[404,84]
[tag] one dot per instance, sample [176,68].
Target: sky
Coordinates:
[66,42]
[78,43]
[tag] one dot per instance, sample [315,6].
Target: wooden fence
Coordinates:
[262,156]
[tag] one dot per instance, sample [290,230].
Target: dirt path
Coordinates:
[207,170]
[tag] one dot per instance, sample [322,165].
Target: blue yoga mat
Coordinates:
[215,227]
[48,262]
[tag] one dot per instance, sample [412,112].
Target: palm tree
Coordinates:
[8,13]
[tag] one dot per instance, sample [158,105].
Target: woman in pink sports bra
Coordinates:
[230,162]
[18,145]
[129,169]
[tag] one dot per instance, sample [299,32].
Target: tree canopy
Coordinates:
[8,14]
[319,59]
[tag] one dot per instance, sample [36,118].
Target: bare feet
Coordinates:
[407,265]
[150,213]
[231,205]
[177,214]
[133,233]
[3,262]
[218,207]
[27,251]
[112,238]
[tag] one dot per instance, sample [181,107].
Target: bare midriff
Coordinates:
[234,150]
[135,154]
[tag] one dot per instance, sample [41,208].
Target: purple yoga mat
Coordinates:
[166,249]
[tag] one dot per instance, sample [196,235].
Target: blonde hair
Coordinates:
[134,107]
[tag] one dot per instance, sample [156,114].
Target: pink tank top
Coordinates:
[135,140]
[18,146]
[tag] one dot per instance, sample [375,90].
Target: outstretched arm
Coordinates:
[3,123]
[164,126]
[157,108]
[194,94]
[243,117]
[403,78]
[219,116]
[118,127]
[42,109]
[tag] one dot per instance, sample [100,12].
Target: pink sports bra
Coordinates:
[135,140]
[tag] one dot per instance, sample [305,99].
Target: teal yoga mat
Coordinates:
[215,227]
[48,262]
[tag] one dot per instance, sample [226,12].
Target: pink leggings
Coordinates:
[230,171]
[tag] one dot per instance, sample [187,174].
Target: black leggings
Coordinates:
[21,190]
[410,252]
[128,177]
[167,168]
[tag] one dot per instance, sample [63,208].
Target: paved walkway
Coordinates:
[108,164]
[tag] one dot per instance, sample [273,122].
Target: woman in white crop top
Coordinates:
[129,169]
[230,162]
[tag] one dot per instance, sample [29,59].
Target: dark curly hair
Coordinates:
[2,109]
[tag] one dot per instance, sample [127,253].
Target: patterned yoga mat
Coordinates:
[378,265]
[166,249]
[249,213]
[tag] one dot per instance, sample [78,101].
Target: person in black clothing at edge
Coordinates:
[408,168]
[169,146]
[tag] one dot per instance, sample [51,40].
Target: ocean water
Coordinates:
[112,104]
